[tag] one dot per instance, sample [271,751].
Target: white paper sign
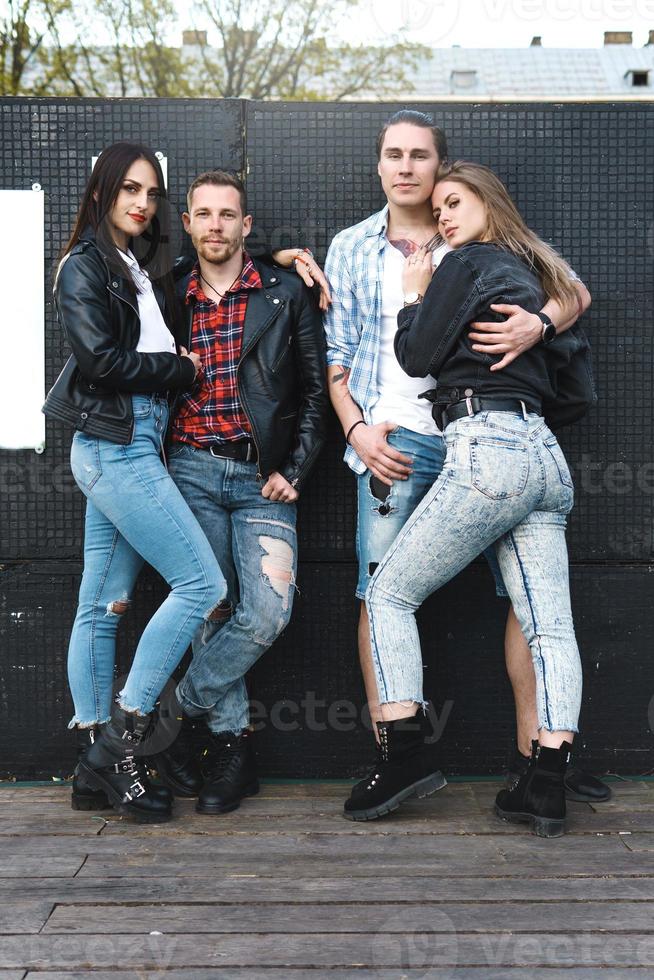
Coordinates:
[22,320]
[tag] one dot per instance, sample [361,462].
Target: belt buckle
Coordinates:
[214,454]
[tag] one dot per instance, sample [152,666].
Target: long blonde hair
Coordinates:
[507,228]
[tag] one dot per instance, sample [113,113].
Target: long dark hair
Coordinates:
[152,247]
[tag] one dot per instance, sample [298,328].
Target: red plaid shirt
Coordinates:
[211,410]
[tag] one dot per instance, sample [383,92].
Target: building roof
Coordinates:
[537,73]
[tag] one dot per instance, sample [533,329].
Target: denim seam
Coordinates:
[534,626]
[96,599]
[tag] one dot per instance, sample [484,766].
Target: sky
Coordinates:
[502,23]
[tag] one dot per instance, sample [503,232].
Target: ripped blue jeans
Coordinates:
[505,482]
[134,514]
[254,540]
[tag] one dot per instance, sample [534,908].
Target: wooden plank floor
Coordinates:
[285,888]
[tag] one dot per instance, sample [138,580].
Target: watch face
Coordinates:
[549,333]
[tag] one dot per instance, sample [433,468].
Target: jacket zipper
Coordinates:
[242,399]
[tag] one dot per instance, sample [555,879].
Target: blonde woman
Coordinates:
[505,482]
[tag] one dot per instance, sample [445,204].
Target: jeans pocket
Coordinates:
[552,446]
[500,467]
[141,407]
[85,460]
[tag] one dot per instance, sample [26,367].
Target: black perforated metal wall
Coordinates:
[582,177]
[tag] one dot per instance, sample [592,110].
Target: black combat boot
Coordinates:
[177,764]
[405,768]
[110,765]
[580,786]
[84,797]
[230,773]
[538,795]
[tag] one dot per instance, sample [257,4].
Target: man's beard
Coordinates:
[221,254]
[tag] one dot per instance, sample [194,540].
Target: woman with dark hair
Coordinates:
[115,301]
[505,482]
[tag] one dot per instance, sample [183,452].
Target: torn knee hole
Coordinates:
[277,566]
[220,613]
[118,607]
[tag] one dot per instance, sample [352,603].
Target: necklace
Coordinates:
[217,291]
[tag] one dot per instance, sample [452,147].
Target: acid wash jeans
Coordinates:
[505,481]
[134,514]
[254,540]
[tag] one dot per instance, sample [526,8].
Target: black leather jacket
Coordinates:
[281,374]
[432,338]
[100,317]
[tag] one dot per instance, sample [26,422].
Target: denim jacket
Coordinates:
[432,337]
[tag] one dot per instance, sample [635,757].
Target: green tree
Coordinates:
[115,48]
[265,53]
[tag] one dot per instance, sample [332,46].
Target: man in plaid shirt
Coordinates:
[243,441]
[394,447]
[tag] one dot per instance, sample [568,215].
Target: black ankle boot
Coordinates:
[580,786]
[177,764]
[538,795]
[405,768]
[84,797]
[110,765]
[230,774]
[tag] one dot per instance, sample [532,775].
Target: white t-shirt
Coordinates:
[155,335]
[398,393]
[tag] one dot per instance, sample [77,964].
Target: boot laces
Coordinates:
[224,756]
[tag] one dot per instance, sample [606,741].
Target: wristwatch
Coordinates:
[411,298]
[549,330]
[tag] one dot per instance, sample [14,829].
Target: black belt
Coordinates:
[474,404]
[242,449]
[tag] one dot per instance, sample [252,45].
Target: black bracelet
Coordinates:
[353,426]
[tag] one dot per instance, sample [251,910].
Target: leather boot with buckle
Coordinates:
[538,795]
[405,769]
[110,764]
[230,773]
[84,797]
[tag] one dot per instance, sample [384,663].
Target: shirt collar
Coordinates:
[248,279]
[378,223]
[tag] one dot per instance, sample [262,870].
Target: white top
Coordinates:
[398,393]
[155,335]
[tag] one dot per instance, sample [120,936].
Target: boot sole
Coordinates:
[421,789]
[180,791]
[540,826]
[216,808]
[88,802]
[118,803]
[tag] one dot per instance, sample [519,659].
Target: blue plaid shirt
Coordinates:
[355,269]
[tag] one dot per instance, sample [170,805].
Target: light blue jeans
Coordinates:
[383,513]
[254,540]
[134,514]
[505,481]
